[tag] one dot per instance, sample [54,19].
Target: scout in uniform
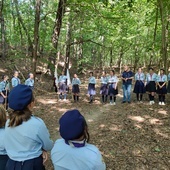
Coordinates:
[26,136]
[161,86]
[73,152]
[139,88]
[4,91]
[30,81]
[113,90]
[75,87]
[104,87]
[3,153]
[151,79]
[62,86]
[127,77]
[168,88]
[91,87]
[15,80]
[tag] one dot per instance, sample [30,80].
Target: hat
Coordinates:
[20,97]
[72,125]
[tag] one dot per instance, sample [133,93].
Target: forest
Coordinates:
[41,36]
[86,34]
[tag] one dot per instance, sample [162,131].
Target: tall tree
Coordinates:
[2,22]
[36,35]
[58,22]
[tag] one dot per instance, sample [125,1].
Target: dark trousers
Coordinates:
[3,161]
[32,164]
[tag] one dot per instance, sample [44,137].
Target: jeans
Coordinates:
[126,92]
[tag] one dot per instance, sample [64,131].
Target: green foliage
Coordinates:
[98,26]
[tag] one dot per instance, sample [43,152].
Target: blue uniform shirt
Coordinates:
[140,76]
[66,157]
[29,82]
[169,77]
[127,74]
[112,79]
[62,79]
[15,81]
[27,140]
[4,86]
[2,146]
[150,77]
[92,80]
[104,80]
[162,78]
[76,81]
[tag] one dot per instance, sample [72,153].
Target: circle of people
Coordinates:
[151,83]
[25,140]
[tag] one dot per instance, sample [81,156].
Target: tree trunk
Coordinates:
[23,25]
[164,20]
[58,22]
[154,38]
[68,42]
[2,30]
[36,35]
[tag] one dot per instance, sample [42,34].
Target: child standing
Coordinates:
[30,81]
[75,87]
[139,88]
[161,86]
[15,80]
[91,87]
[63,86]
[151,79]
[113,90]
[104,87]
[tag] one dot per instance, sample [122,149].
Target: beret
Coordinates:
[20,97]
[72,125]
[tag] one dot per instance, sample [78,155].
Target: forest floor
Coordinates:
[132,136]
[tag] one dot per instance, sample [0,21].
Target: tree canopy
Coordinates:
[86,33]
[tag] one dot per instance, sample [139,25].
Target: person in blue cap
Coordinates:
[26,136]
[30,81]
[15,80]
[3,153]
[73,152]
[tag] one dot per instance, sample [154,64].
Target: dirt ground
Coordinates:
[132,136]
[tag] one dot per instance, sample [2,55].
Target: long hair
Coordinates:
[16,118]
[85,132]
[2,117]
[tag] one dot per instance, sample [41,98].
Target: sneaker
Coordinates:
[124,102]
[114,103]
[59,100]
[153,102]
[150,102]
[163,103]
[160,103]
[129,102]
[111,103]
[64,99]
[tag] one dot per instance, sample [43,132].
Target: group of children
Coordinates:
[5,85]
[25,140]
[151,83]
